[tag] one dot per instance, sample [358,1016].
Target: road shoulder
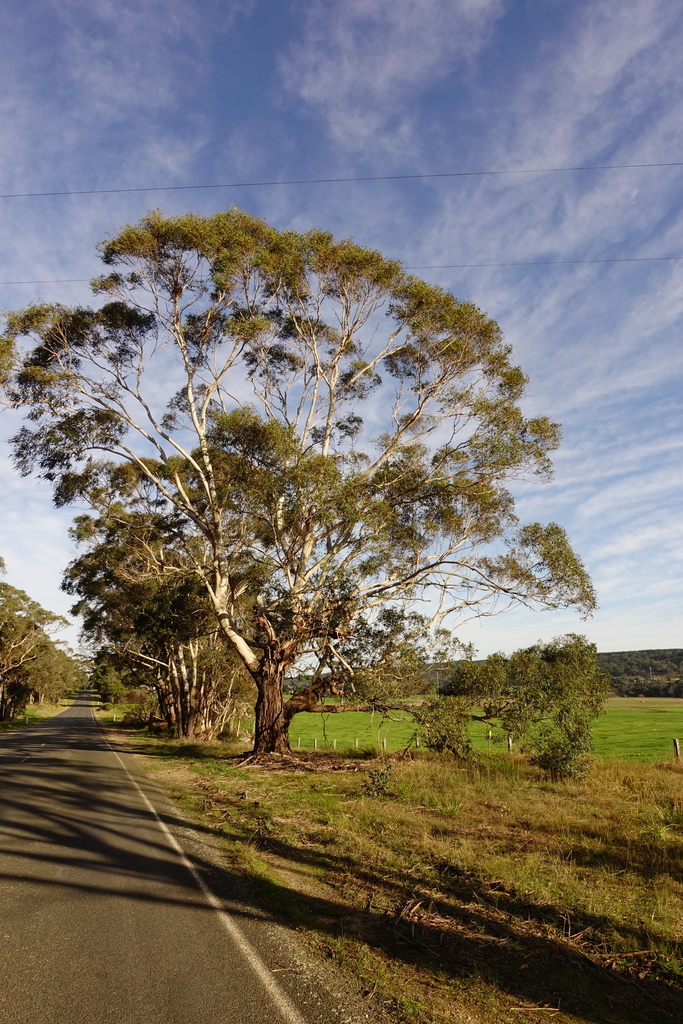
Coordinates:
[320,991]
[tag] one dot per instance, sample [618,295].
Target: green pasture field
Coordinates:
[636,727]
[370,730]
[632,728]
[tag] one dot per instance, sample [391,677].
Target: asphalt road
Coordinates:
[104,919]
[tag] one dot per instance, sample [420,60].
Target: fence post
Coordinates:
[510,739]
[677,749]
[384,743]
[298,741]
[334,744]
[417,741]
[355,743]
[315,743]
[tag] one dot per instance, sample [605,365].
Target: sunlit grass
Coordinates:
[33,714]
[638,728]
[492,869]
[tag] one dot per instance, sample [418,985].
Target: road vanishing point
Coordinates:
[110,912]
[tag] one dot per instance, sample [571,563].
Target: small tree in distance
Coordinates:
[338,435]
[545,696]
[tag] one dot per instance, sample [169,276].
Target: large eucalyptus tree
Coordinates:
[338,433]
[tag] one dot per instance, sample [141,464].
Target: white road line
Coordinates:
[287,1009]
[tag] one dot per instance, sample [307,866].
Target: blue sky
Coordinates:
[114,94]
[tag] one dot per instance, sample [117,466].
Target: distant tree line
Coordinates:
[652,673]
[33,666]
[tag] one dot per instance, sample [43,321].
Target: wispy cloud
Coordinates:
[360,62]
[122,92]
[110,91]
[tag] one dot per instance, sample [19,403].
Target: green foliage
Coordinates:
[108,683]
[547,695]
[541,563]
[562,757]
[656,673]
[52,674]
[391,655]
[141,707]
[445,725]
[7,357]
[149,619]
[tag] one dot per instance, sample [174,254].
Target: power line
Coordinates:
[442,266]
[549,263]
[331,181]
[68,280]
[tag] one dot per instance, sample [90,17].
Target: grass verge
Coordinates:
[461,894]
[32,715]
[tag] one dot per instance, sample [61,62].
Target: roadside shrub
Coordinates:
[142,707]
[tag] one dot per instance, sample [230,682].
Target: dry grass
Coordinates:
[469,895]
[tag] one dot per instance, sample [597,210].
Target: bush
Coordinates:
[444,726]
[377,782]
[562,758]
[142,707]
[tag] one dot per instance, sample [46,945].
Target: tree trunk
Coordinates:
[186,697]
[164,694]
[271,726]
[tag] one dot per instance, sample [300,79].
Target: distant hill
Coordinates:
[657,673]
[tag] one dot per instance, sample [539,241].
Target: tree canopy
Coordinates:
[652,673]
[324,435]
